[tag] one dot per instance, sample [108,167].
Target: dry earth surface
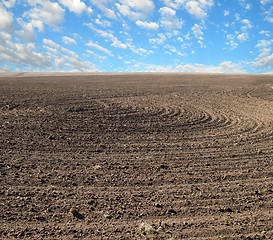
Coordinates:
[136,156]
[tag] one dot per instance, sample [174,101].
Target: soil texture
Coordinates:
[136,156]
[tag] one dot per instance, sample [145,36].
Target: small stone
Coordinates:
[146,228]
[107,216]
[97,167]
[158,205]
[171,211]
[76,214]
[259,151]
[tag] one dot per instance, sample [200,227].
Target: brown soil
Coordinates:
[136,156]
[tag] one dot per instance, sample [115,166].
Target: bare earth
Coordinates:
[136,156]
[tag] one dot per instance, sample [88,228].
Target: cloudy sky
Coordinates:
[229,36]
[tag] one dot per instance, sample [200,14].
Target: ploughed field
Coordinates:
[136,156]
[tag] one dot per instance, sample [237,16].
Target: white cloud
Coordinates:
[65,59]
[104,5]
[109,35]
[231,41]
[198,33]
[27,33]
[180,39]
[96,55]
[172,49]
[147,25]
[224,67]
[269,15]
[245,4]
[6,18]
[115,42]
[242,37]
[98,47]
[166,11]
[246,23]
[265,58]
[135,9]
[160,40]
[265,1]
[158,68]
[46,12]
[198,8]
[140,51]
[9,3]
[264,44]
[226,13]
[76,6]
[23,56]
[103,23]
[5,68]
[173,3]
[266,33]
[68,40]
[168,19]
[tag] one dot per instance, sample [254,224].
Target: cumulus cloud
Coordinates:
[246,24]
[265,58]
[231,41]
[168,20]
[108,35]
[158,41]
[76,6]
[172,49]
[103,23]
[6,18]
[23,56]
[264,44]
[198,8]
[269,15]
[27,33]
[245,4]
[158,68]
[5,68]
[98,47]
[135,9]
[9,3]
[96,55]
[198,33]
[263,2]
[115,42]
[243,36]
[224,67]
[173,3]
[266,33]
[226,13]
[147,25]
[105,7]
[68,40]
[65,59]
[45,11]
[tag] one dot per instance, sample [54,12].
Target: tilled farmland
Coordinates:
[136,156]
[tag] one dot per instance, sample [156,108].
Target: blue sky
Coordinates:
[227,36]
